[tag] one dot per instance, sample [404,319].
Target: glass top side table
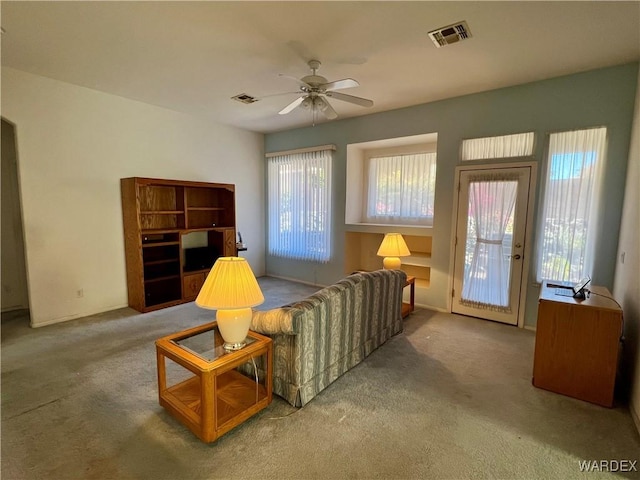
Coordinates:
[209,389]
[207,344]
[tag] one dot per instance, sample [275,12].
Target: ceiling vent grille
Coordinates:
[244,98]
[450,34]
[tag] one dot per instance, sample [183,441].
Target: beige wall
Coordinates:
[74,144]
[627,284]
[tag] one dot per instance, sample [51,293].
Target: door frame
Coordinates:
[528,247]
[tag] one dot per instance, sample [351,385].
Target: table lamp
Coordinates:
[231,289]
[392,248]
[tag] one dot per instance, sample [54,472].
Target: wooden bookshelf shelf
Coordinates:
[206,209]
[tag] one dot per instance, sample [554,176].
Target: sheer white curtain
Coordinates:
[492,199]
[504,146]
[566,245]
[401,189]
[299,205]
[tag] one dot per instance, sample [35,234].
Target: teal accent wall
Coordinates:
[603,97]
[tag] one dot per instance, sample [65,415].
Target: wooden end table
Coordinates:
[407,308]
[223,388]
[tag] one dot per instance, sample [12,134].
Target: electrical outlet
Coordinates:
[80,293]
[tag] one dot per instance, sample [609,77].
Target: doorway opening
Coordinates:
[15,296]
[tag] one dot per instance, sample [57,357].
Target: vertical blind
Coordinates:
[401,189]
[299,205]
[575,164]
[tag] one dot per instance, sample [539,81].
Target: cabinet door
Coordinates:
[191,285]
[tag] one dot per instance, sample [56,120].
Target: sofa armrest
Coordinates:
[273,322]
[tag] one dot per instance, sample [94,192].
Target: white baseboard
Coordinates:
[297,280]
[14,308]
[431,307]
[75,316]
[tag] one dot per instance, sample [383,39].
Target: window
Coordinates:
[566,239]
[401,189]
[505,146]
[300,205]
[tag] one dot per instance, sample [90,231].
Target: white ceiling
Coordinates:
[194,56]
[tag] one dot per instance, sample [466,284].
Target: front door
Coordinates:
[490,238]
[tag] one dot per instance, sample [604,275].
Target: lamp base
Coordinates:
[234,346]
[391,263]
[234,326]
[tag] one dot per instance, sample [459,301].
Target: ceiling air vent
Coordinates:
[450,34]
[244,98]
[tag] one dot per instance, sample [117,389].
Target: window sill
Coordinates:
[417,230]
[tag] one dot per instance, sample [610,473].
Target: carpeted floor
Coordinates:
[450,397]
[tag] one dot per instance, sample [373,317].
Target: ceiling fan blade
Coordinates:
[363,102]
[291,106]
[326,109]
[297,80]
[279,94]
[340,84]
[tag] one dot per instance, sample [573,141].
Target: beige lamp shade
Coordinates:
[392,247]
[231,289]
[230,284]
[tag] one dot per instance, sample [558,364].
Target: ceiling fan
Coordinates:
[316,88]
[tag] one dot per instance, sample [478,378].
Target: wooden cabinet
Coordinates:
[159,217]
[578,344]
[191,285]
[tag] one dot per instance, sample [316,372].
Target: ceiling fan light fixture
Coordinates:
[307,103]
[320,103]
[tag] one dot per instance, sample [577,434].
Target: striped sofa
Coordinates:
[321,337]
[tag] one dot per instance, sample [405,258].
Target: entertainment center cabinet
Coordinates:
[173,232]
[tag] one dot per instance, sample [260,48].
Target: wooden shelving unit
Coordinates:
[156,215]
[419,263]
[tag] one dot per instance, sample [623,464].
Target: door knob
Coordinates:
[516,256]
